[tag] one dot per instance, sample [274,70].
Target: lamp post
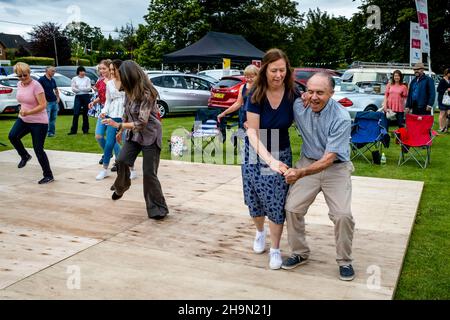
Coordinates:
[56,51]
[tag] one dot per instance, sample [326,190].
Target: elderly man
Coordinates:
[52,96]
[324,166]
[422,92]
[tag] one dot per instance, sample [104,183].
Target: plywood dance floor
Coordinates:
[69,240]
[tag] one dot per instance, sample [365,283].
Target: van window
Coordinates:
[383,77]
[347,76]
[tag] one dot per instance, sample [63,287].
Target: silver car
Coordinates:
[179,92]
[364,96]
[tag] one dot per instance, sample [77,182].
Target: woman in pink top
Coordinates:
[32,119]
[395,97]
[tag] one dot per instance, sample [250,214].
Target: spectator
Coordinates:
[144,133]
[395,97]
[269,116]
[444,86]
[324,166]
[421,93]
[52,97]
[32,119]
[81,86]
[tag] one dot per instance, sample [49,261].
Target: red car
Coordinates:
[302,75]
[225,92]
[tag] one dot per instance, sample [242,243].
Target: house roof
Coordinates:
[215,46]
[12,41]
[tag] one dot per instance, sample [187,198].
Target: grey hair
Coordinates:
[327,76]
[50,68]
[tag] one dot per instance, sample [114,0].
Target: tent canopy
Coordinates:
[215,46]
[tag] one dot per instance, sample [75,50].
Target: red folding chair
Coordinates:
[416,139]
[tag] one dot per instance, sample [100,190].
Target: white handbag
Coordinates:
[446,99]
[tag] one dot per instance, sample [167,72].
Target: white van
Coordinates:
[219,73]
[381,72]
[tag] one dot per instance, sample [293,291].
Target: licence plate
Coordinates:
[219,95]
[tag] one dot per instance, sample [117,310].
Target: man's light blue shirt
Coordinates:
[324,132]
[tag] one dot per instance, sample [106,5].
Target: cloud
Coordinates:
[13,12]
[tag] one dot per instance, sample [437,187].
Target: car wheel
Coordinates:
[371,108]
[163,109]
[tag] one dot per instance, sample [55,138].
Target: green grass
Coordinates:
[426,270]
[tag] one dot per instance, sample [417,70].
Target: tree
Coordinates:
[83,36]
[43,39]
[391,42]
[127,34]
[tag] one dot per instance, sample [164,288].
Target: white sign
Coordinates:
[5,62]
[415,44]
[422,15]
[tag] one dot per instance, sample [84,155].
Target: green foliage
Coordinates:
[80,62]
[45,37]
[43,61]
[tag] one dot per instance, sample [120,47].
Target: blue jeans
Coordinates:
[52,112]
[111,143]
[38,134]
[100,131]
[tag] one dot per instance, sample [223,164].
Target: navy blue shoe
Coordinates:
[46,180]
[346,273]
[293,261]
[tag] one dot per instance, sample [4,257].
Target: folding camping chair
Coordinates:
[416,139]
[206,129]
[369,133]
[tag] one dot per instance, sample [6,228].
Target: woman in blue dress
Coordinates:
[269,116]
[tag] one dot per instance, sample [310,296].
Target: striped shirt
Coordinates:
[324,132]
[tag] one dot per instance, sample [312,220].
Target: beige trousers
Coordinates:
[335,183]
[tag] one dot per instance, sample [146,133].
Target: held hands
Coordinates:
[102,115]
[429,108]
[220,116]
[91,105]
[23,113]
[278,166]
[292,175]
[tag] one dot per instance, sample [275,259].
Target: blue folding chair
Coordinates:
[369,134]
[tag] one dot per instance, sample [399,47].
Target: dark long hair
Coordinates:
[136,83]
[400,74]
[261,85]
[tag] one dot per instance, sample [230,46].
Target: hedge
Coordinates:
[42,61]
[81,62]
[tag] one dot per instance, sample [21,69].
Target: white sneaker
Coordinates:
[133,174]
[259,244]
[275,259]
[102,174]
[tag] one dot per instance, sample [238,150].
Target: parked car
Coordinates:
[179,92]
[363,96]
[303,74]
[66,95]
[71,71]
[220,73]
[225,92]
[8,90]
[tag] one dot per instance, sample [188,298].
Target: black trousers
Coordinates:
[38,134]
[81,106]
[153,195]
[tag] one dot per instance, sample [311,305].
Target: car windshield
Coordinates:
[62,81]
[364,87]
[9,82]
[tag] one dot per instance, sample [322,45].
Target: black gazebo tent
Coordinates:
[215,46]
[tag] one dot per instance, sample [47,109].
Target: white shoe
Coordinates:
[133,174]
[259,244]
[275,259]
[102,174]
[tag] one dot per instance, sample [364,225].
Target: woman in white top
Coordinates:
[113,109]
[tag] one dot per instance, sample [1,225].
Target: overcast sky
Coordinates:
[108,14]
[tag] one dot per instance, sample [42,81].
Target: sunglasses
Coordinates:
[22,75]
